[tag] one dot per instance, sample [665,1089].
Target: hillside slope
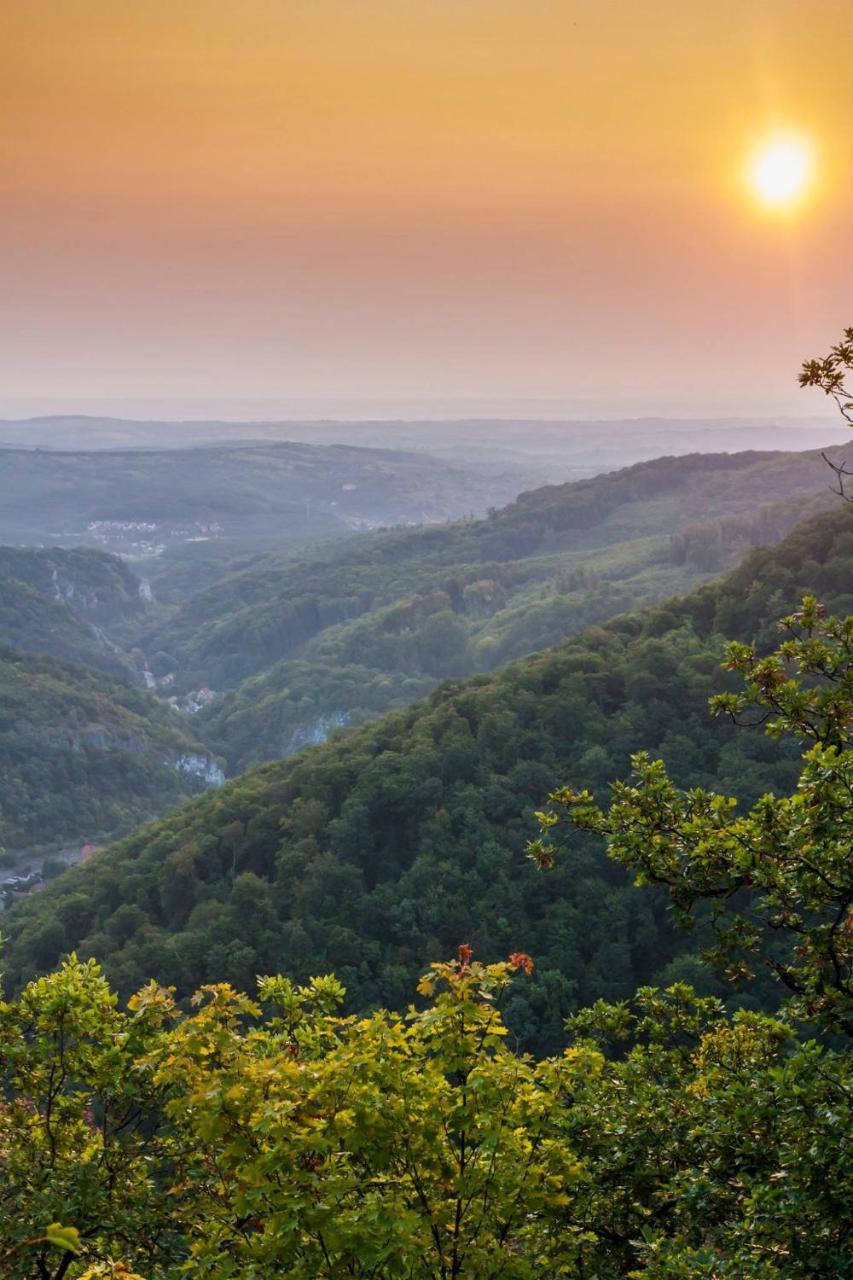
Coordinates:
[359,628]
[83,757]
[72,605]
[376,852]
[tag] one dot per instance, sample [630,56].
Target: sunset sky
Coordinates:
[420,198]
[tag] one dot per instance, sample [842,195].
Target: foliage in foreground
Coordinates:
[668,1141]
[305,1144]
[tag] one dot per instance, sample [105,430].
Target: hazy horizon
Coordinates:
[342,409]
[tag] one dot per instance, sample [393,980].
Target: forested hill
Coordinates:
[376,852]
[365,626]
[72,605]
[665,496]
[144,500]
[84,757]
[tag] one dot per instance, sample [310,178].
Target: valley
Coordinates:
[494,654]
[297,647]
[278,652]
[369,854]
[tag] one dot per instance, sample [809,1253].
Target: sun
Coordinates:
[781,170]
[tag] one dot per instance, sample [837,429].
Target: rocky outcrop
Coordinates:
[311,735]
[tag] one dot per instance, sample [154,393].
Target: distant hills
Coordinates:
[375,852]
[144,502]
[534,443]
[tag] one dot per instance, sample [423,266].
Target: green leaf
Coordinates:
[60,1237]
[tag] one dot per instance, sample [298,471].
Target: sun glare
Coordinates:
[781,171]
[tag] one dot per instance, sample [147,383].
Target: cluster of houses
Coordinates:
[20,884]
[29,881]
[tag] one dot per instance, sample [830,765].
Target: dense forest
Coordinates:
[664,497]
[372,854]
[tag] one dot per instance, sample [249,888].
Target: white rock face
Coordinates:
[63,589]
[199,766]
[311,735]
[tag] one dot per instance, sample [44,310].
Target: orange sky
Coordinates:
[502,198]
